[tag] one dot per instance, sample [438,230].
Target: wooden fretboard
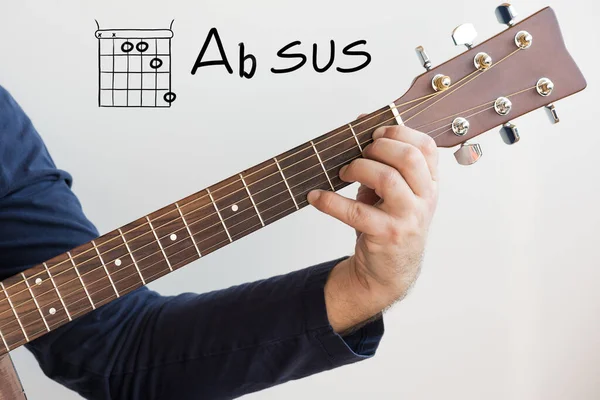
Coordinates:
[75,283]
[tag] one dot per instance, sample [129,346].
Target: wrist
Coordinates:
[352,298]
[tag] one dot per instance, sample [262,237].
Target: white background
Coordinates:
[507,306]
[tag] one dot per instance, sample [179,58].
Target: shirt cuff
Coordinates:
[359,345]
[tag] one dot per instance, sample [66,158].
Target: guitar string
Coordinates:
[249,208]
[474,108]
[470,109]
[139,261]
[241,222]
[194,222]
[431,95]
[477,76]
[183,262]
[346,130]
[83,312]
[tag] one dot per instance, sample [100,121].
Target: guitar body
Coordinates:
[10,385]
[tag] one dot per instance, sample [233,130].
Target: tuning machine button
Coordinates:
[423,57]
[544,87]
[464,35]
[468,153]
[506,14]
[523,40]
[441,82]
[551,110]
[482,61]
[509,133]
[502,105]
[460,126]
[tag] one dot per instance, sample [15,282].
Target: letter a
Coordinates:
[223,61]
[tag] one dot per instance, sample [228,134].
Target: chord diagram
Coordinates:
[134,67]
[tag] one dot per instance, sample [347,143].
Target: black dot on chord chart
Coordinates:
[156,63]
[127,47]
[141,47]
[170,97]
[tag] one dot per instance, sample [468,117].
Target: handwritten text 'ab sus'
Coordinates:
[248,63]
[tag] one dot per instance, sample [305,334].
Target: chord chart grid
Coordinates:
[135,67]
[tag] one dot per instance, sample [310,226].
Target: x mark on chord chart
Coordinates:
[135,68]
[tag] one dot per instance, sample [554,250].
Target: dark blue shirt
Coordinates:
[216,345]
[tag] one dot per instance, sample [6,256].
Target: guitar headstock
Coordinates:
[524,68]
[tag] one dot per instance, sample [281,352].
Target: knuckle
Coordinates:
[412,156]
[388,178]
[355,213]
[428,147]
[376,146]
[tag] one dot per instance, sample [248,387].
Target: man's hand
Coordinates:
[394,207]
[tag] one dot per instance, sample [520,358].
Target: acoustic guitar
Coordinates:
[525,67]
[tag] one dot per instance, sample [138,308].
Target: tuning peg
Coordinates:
[423,57]
[551,109]
[506,14]
[464,35]
[509,133]
[468,153]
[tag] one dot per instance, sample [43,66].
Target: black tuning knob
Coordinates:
[509,133]
[506,14]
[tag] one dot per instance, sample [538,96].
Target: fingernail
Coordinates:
[379,132]
[343,170]
[313,196]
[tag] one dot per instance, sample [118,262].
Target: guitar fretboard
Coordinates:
[77,282]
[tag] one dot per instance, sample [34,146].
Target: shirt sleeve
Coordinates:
[216,345]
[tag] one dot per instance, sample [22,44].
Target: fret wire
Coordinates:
[355,138]
[4,341]
[307,180]
[106,269]
[214,246]
[395,107]
[81,280]
[57,292]
[252,200]
[159,244]
[322,165]
[278,166]
[188,229]
[286,182]
[14,311]
[35,301]
[131,255]
[219,213]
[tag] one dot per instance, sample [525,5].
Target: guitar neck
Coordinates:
[77,282]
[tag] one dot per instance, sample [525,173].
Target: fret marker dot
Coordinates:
[38,281]
[118,262]
[234,208]
[52,311]
[173,237]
